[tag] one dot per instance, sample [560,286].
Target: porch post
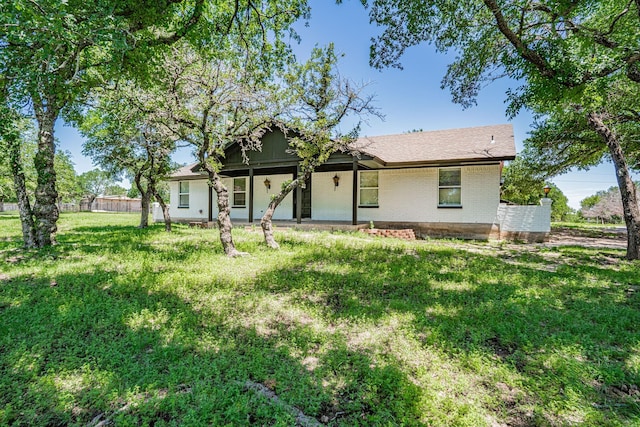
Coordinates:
[298,198]
[354,203]
[251,194]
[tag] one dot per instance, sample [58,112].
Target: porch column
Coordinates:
[298,198]
[251,194]
[354,203]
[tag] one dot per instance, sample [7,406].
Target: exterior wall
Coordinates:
[198,201]
[328,202]
[404,195]
[237,213]
[262,197]
[198,209]
[411,195]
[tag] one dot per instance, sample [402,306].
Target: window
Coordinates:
[369,189]
[449,187]
[183,194]
[239,192]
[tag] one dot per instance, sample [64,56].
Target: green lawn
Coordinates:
[141,327]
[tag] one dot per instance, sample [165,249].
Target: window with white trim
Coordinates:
[239,192]
[183,194]
[369,188]
[449,187]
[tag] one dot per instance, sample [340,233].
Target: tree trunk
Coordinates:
[631,211]
[45,209]
[145,201]
[224,220]
[265,222]
[24,206]
[165,210]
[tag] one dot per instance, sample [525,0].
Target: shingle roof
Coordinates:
[466,144]
[474,144]
[189,171]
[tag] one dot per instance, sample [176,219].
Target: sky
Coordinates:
[409,99]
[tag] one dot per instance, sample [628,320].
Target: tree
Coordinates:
[603,206]
[319,99]
[71,47]
[12,126]
[69,190]
[214,102]
[94,183]
[569,56]
[124,136]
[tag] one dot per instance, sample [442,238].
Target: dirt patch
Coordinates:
[610,238]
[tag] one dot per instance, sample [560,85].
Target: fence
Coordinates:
[62,207]
[100,204]
[112,204]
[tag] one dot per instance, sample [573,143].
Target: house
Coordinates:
[440,183]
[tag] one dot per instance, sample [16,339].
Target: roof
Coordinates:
[441,146]
[191,171]
[464,145]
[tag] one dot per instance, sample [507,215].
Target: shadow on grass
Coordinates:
[100,346]
[570,336]
[101,341]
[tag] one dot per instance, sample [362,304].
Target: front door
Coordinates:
[306,201]
[305,204]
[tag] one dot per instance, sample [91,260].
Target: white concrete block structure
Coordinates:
[440,183]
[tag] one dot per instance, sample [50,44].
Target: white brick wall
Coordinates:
[198,201]
[406,195]
[412,195]
[328,202]
[262,197]
[527,219]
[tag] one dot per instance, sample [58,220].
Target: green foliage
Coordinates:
[577,64]
[319,101]
[68,185]
[142,327]
[604,206]
[53,52]
[95,182]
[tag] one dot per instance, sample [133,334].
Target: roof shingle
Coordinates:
[466,144]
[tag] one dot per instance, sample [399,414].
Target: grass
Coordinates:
[141,327]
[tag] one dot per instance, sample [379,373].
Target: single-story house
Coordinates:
[440,183]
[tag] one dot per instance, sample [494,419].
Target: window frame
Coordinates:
[182,193]
[244,192]
[376,188]
[450,186]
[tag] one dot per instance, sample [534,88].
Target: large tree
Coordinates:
[53,51]
[567,55]
[318,100]
[213,102]
[124,137]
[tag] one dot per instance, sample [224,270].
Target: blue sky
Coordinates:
[410,98]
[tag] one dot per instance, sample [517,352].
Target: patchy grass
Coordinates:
[139,327]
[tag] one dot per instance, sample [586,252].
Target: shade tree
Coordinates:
[568,58]
[124,137]
[212,103]
[318,99]
[52,52]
